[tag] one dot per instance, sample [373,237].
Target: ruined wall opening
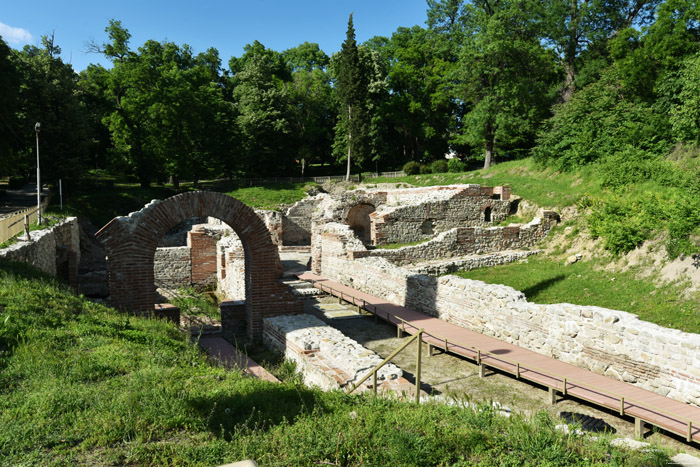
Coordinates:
[487,214]
[131,242]
[359,221]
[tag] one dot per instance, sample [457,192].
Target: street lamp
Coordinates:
[37,127]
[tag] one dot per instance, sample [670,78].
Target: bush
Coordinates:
[439,166]
[411,168]
[425,170]
[455,166]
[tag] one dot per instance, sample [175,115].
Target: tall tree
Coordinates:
[506,76]
[10,139]
[572,27]
[48,95]
[351,88]
[313,113]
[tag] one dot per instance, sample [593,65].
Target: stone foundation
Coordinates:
[326,357]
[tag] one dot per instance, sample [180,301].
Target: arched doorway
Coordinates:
[360,223]
[130,244]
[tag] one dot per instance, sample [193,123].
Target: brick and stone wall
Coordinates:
[296,222]
[609,342]
[55,251]
[130,243]
[202,240]
[463,241]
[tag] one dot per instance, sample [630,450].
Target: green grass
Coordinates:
[546,281]
[103,204]
[195,303]
[270,196]
[83,384]
[545,187]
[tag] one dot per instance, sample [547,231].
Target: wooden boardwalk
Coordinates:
[561,378]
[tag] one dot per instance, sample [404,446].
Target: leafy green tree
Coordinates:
[168,115]
[601,120]
[265,129]
[574,28]
[312,109]
[351,84]
[685,117]
[48,94]
[506,77]
[10,139]
[420,108]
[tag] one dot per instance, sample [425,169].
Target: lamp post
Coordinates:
[37,127]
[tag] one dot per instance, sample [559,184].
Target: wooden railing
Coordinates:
[562,383]
[12,224]
[373,373]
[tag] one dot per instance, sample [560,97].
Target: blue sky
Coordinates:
[227,26]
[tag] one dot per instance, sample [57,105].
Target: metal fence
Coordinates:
[12,224]
[324,179]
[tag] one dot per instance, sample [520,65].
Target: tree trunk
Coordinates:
[488,145]
[347,174]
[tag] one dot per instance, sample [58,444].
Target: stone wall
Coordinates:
[231,267]
[55,251]
[324,356]
[296,222]
[464,241]
[172,267]
[609,342]
[427,212]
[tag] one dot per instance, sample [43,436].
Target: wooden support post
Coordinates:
[26,228]
[482,370]
[399,334]
[689,435]
[374,382]
[418,364]
[564,392]
[552,396]
[638,427]
[517,370]
[430,350]
[622,406]
[445,344]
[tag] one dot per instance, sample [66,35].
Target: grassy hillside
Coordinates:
[82,384]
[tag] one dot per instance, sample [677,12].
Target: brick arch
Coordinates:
[130,244]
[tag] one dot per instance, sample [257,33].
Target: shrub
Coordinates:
[425,169]
[455,165]
[411,168]
[439,166]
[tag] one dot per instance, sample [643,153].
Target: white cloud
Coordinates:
[14,35]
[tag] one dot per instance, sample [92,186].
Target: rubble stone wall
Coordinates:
[463,241]
[172,267]
[610,342]
[55,251]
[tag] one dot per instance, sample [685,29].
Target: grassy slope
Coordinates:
[82,384]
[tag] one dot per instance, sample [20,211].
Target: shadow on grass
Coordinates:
[534,291]
[261,409]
